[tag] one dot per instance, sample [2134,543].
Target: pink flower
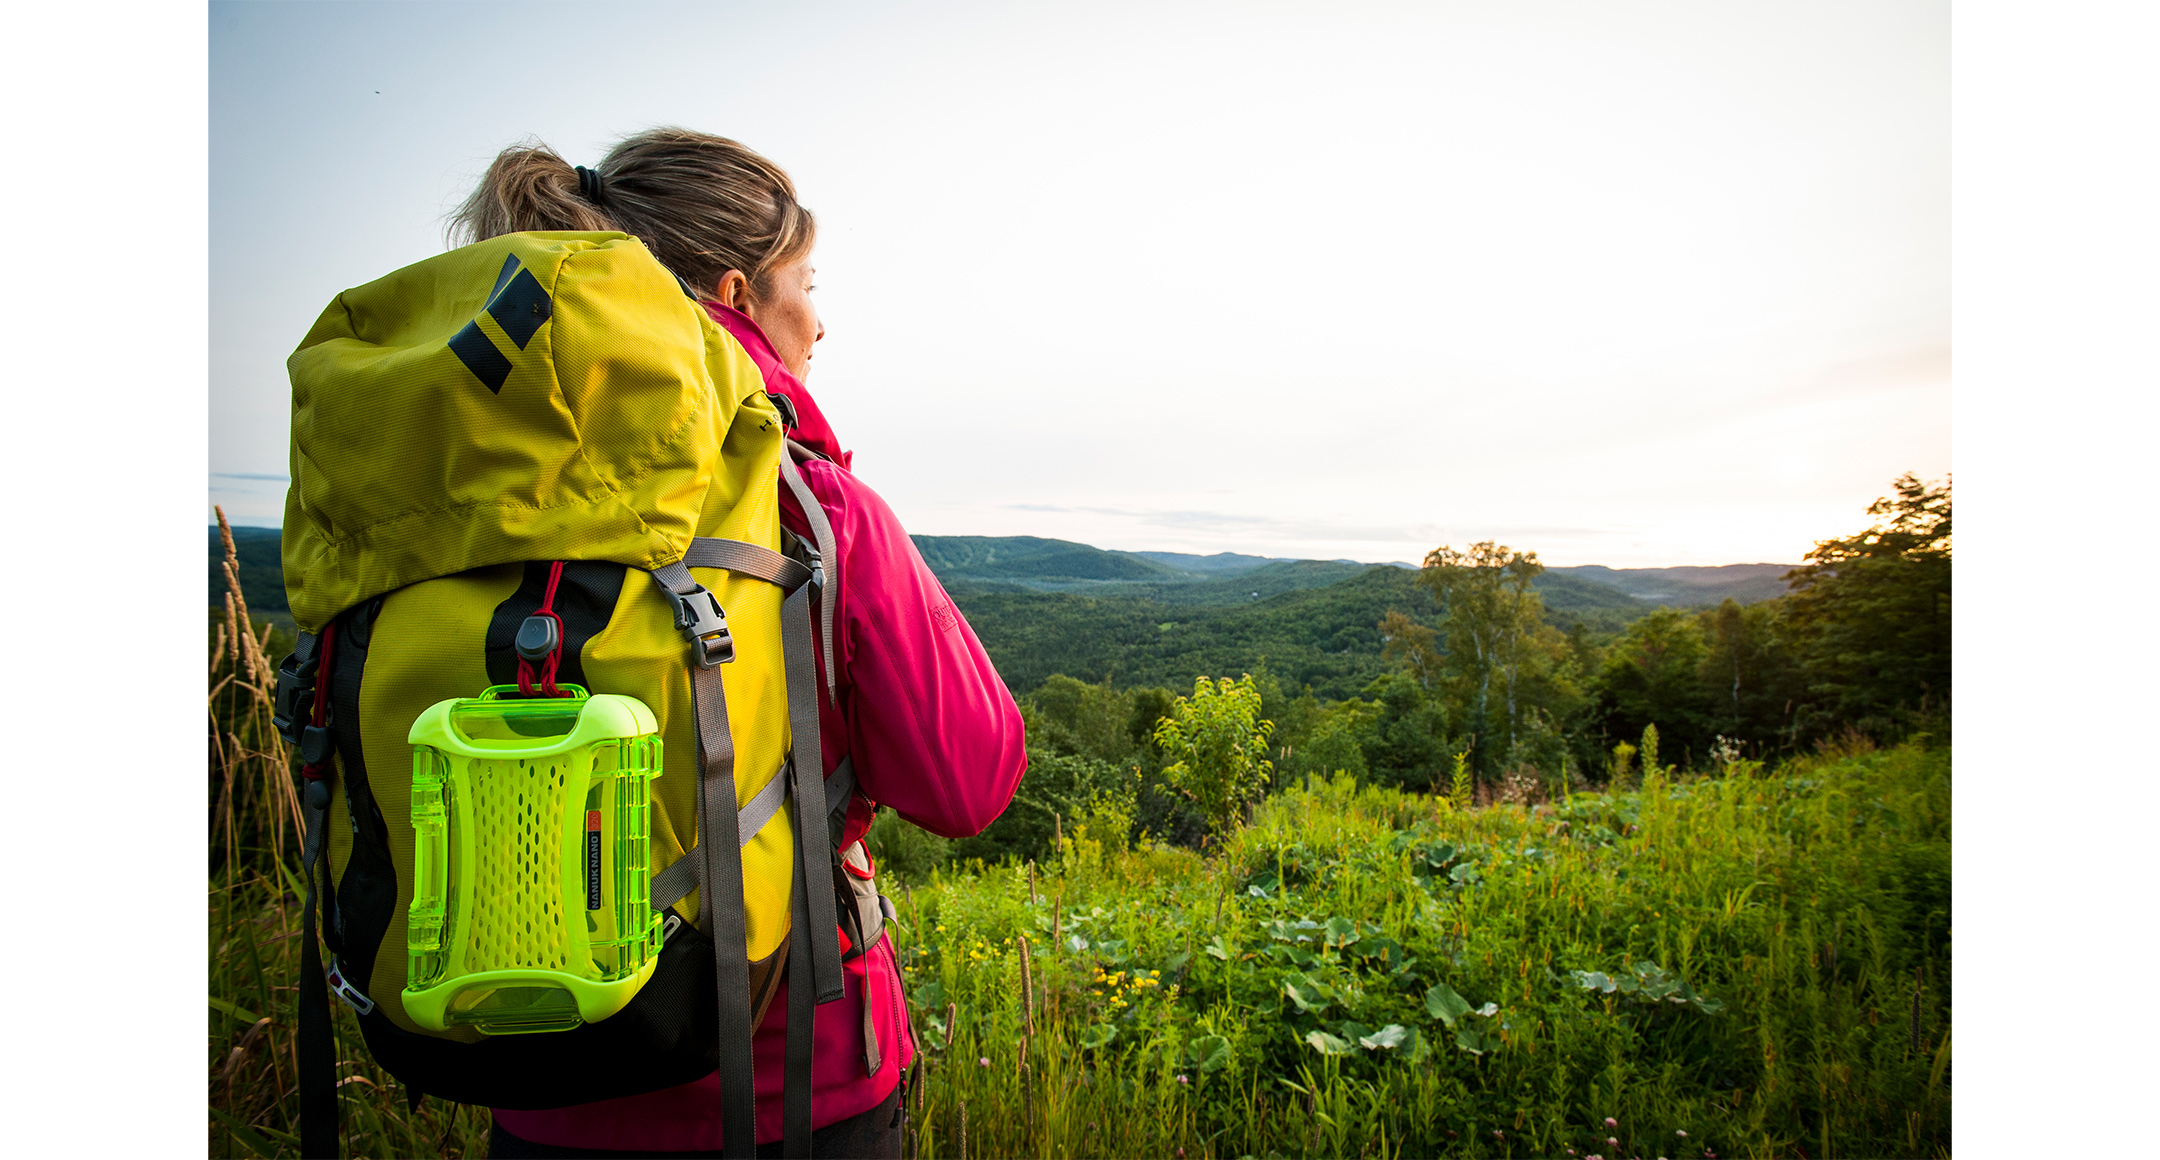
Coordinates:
[1612,1142]
[1611,1123]
[1182,1079]
[984,1061]
[1496,1133]
[1680,1132]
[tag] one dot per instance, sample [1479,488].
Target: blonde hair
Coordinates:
[702,204]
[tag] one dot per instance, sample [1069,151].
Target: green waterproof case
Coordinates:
[531,907]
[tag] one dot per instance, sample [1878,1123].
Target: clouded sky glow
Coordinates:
[1635,284]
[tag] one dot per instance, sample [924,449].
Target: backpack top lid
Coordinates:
[538,396]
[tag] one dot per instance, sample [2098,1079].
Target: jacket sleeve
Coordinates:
[933,731]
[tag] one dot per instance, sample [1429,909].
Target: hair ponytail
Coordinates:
[528,187]
[702,204]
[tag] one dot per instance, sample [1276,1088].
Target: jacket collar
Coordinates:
[810,427]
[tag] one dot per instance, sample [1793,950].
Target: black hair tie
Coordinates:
[589,185]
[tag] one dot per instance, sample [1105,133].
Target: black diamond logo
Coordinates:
[518,305]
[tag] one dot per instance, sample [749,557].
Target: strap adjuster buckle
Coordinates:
[702,622]
[352,996]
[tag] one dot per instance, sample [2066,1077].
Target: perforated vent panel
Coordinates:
[517,823]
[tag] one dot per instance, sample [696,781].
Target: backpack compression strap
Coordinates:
[814,937]
[698,615]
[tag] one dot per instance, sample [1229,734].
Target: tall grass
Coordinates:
[1807,906]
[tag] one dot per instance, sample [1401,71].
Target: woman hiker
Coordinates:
[929,727]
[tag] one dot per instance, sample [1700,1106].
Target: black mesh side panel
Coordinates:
[366,894]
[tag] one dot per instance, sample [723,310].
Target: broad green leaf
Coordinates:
[1076,942]
[1445,1004]
[1210,1052]
[1176,963]
[1488,1010]
[1327,1044]
[1473,1042]
[1097,1035]
[1307,994]
[1392,1035]
[1220,948]
[1341,932]
[1351,1029]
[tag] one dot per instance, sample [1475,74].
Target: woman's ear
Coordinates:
[734,289]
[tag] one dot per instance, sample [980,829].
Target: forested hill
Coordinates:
[1044,606]
[1325,636]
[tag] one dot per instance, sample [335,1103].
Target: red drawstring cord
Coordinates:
[547,671]
[320,710]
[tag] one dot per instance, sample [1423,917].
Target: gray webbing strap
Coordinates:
[747,560]
[839,785]
[676,578]
[872,1057]
[816,925]
[675,883]
[795,1120]
[813,840]
[829,554]
[720,907]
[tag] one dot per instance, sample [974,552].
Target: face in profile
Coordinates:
[785,313]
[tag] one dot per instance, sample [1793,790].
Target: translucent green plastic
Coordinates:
[532,877]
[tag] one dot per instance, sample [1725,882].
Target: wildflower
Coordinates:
[1680,1132]
[1181,1151]
[1612,1142]
[1184,1079]
[1611,1123]
[983,1061]
[1496,1133]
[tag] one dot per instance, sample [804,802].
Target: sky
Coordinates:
[1638,285]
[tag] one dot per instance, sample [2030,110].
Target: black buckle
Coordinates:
[294,701]
[704,625]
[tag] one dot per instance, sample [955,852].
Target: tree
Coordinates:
[1751,684]
[1411,645]
[1652,677]
[1870,613]
[1493,618]
[1217,742]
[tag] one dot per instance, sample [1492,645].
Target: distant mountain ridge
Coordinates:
[1030,563]
[1599,596]
[1688,586]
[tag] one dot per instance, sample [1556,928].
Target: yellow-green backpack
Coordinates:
[544,434]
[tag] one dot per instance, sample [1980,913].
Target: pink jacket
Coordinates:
[934,734]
